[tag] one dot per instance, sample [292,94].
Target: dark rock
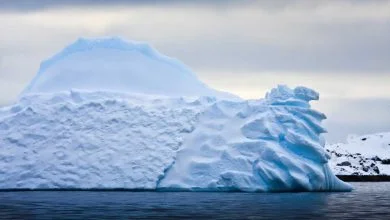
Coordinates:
[345,163]
[363,139]
[386,161]
[365,169]
[376,169]
[376,158]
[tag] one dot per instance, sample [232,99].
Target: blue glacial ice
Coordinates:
[107,113]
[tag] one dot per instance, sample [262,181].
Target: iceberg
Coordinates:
[106,114]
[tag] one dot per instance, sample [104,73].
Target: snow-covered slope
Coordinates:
[59,137]
[361,155]
[112,64]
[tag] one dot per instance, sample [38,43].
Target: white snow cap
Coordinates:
[113,64]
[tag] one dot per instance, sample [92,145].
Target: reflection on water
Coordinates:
[369,200]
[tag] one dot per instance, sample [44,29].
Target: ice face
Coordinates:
[265,145]
[91,140]
[82,139]
[112,64]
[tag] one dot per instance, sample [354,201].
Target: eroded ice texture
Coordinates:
[265,145]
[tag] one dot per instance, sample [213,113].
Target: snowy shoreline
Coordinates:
[367,155]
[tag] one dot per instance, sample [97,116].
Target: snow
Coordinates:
[131,132]
[113,64]
[361,155]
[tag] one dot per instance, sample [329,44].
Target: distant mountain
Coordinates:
[361,155]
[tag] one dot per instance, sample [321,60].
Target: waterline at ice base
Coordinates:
[108,114]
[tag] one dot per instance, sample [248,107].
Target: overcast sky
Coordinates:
[339,48]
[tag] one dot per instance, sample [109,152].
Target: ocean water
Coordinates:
[367,201]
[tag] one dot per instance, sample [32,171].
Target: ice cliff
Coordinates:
[107,113]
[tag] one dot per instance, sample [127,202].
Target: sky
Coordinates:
[340,48]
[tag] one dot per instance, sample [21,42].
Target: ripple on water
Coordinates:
[368,201]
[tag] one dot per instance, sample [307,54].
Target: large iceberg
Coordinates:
[106,113]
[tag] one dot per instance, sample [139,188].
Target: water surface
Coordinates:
[367,201]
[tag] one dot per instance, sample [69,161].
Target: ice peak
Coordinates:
[85,44]
[114,64]
[284,95]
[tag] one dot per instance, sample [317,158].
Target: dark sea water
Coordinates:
[367,201]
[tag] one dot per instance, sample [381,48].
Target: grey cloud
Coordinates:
[28,5]
[354,116]
[346,51]
[237,44]
[228,44]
